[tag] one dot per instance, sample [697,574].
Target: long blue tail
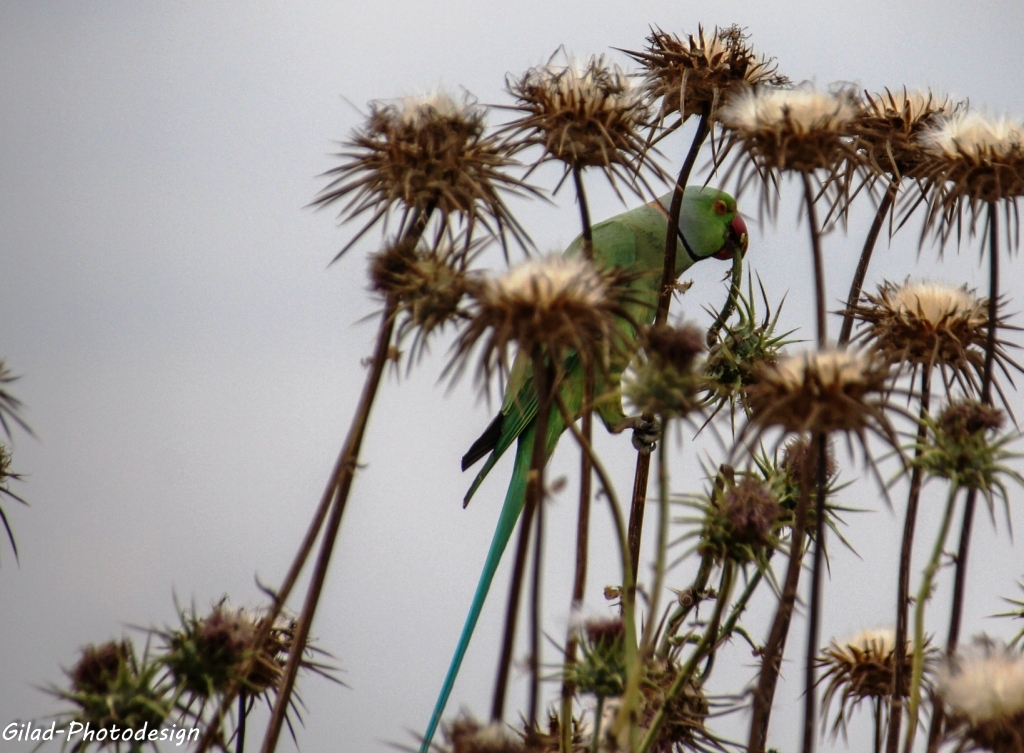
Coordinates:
[510,511]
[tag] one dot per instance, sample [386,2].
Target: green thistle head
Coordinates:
[601,670]
[664,382]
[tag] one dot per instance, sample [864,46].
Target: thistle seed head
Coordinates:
[799,129]
[683,727]
[601,671]
[890,123]
[422,155]
[98,666]
[983,692]
[691,73]
[969,161]
[798,461]
[859,668]
[466,735]
[960,446]
[677,347]
[928,324]
[823,391]
[587,116]
[553,303]
[661,381]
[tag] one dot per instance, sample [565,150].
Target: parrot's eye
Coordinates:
[720,207]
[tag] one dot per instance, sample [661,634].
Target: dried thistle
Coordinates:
[889,125]
[982,690]
[554,303]
[691,74]
[801,130]
[823,391]
[970,161]
[683,727]
[927,325]
[662,380]
[111,688]
[860,668]
[429,287]
[421,155]
[583,117]
[466,735]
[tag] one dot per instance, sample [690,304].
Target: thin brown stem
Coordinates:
[771,656]
[857,285]
[814,619]
[819,266]
[542,379]
[668,277]
[899,680]
[535,622]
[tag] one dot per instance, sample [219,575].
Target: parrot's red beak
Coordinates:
[737,237]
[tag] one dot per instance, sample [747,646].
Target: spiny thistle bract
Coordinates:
[802,130]
[553,303]
[857,669]
[982,690]
[110,687]
[601,670]
[739,519]
[889,124]
[662,381]
[929,324]
[587,116]
[970,161]
[823,391]
[1017,613]
[7,475]
[743,347]
[421,155]
[428,286]
[961,446]
[690,74]
[10,406]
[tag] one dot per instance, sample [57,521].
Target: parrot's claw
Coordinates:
[646,434]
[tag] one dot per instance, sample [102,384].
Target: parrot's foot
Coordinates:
[646,434]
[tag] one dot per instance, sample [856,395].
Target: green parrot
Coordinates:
[633,241]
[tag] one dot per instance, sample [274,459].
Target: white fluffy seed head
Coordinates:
[877,642]
[934,302]
[436,105]
[590,89]
[802,110]
[915,104]
[829,367]
[974,135]
[984,684]
[540,282]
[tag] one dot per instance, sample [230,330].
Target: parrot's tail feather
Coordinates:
[487,442]
[510,511]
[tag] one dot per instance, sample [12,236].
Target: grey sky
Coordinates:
[190,364]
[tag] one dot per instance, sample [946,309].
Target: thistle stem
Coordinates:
[923,594]
[700,582]
[771,657]
[668,277]
[903,597]
[857,285]
[967,527]
[535,630]
[707,644]
[814,619]
[240,730]
[542,379]
[819,266]
[595,744]
[647,641]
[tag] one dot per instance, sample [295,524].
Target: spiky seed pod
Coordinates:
[927,325]
[601,671]
[683,727]
[859,668]
[982,690]
[423,154]
[823,391]
[587,116]
[745,345]
[466,735]
[797,461]
[969,161]
[961,447]
[554,303]
[889,124]
[690,73]
[740,520]
[110,686]
[662,380]
[429,287]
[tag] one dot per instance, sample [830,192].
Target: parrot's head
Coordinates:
[710,224]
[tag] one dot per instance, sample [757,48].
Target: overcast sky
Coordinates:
[190,363]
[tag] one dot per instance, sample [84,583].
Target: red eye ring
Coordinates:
[720,207]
